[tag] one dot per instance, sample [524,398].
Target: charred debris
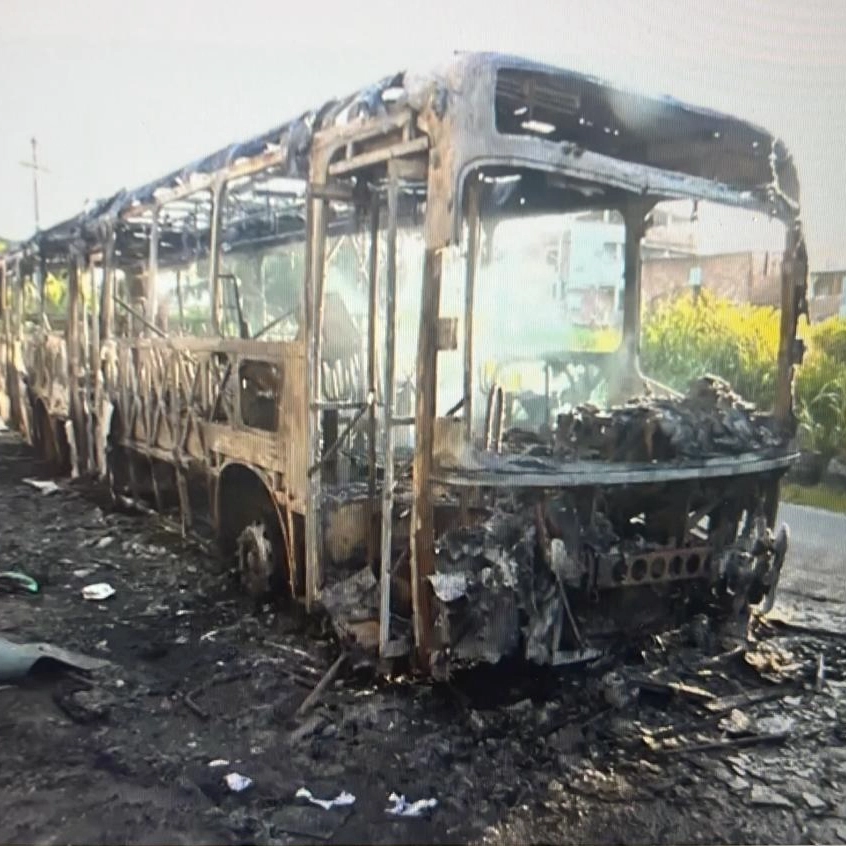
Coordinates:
[562,575]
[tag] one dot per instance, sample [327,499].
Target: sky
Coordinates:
[119,93]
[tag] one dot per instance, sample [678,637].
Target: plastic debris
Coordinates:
[104,542]
[98,592]
[17,659]
[341,800]
[12,580]
[46,487]
[403,808]
[219,762]
[83,572]
[237,782]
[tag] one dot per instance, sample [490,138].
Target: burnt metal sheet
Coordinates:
[508,471]
[734,160]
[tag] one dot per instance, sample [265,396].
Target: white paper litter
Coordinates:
[104,542]
[403,808]
[98,592]
[342,799]
[45,487]
[219,762]
[237,782]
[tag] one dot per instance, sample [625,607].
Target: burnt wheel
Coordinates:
[260,555]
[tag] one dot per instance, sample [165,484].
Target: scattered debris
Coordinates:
[306,729]
[761,795]
[104,542]
[237,782]
[46,487]
[674,688]
[219,762]
[819,681]
[727,704]
[775,724]
[309,821]
[402,808]
[314,697]
[13,581]
[84,572]
[814,802]
[750,740]
[85,706]
[340,801]
[190,698]
[17,659]
[98,592]
[737,722]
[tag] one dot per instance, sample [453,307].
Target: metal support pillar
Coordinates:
[314,311]
[150,285]
[422,511]
[214,260]
[372,323]
[474,225]
[388,414]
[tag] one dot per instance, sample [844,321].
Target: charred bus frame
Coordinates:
[155,412]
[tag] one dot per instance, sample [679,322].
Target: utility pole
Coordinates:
[36,169]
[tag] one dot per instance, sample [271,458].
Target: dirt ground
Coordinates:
[198,675]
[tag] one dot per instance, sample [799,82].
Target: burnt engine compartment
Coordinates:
[557,573]
[553,572]
[551,576]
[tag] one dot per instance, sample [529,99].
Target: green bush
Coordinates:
[687,337]
[821,388]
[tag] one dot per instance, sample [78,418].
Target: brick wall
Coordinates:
[741,277]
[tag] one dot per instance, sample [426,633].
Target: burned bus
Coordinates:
[330,346]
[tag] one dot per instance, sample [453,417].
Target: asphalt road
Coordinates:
[816,559]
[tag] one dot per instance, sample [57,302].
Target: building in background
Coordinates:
[827,294]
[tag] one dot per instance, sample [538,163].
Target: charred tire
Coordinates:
[261,559]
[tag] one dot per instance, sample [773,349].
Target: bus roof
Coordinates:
[582,110]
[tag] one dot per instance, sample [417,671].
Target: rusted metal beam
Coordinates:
[422,513]
[73,350]
[474,226]
[388,413]
[140,317]
[215,291]
[372,322]
[152,272]
[794,287]
[372,157]
[315,300]
[634,221]
[107,294]
[4,293]
[95,373]
[337,192]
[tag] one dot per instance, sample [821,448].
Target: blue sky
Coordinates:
[118,93]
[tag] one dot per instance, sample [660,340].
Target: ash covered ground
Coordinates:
[675,739]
